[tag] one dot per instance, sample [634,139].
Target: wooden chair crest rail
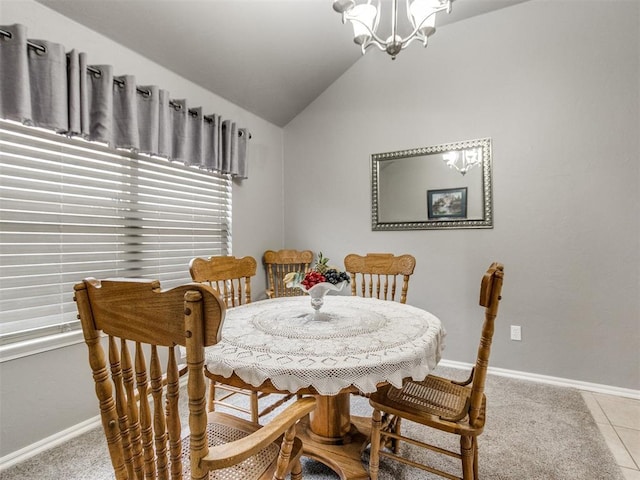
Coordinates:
[454,407]
[376,275]
[140,405]
[278,264]
[231,277]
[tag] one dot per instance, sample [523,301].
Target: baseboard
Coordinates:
[71,432]
[561,382]
[47,443]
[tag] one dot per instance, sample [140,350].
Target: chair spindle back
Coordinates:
[376,275]
[490,296]
[229,275]
[279,264]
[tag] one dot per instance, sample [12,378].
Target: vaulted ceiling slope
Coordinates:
[270,57]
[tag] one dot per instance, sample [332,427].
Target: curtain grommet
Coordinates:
[40,50]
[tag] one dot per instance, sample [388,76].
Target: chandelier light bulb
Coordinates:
[422,16]
[364,18]
[463,160]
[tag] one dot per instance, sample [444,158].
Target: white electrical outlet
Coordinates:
[516,332]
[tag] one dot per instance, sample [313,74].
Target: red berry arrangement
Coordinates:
[322,272]
[312,278]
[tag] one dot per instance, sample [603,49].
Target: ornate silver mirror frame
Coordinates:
[438,187]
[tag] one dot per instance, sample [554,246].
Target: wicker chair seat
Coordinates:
[433,396]
[219,432]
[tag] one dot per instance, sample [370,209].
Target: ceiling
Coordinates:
[270,57]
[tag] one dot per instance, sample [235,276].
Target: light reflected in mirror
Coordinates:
[437,187]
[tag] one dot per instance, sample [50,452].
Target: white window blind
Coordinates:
[71,209]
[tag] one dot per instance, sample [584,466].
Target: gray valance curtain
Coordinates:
[44,86]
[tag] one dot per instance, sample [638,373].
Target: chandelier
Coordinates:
[463,160]
[365,17]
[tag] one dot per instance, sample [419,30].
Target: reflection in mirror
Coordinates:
[443,186]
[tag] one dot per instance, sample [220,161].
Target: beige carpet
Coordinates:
[533,432]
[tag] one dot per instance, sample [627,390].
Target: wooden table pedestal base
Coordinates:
[331,436]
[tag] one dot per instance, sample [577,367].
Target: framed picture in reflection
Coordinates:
[447,203]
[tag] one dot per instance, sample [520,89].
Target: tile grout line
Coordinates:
[625,447]
[637,467]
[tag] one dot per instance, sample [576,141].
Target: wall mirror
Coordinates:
[438,187]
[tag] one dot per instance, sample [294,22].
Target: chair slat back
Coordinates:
[378,274]
[229,275]
[490,296]
[138,402]
[279,264]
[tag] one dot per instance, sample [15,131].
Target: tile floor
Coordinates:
[619,422]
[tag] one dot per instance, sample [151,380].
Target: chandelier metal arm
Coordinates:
[383,45]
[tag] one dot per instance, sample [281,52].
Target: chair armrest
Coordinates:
[467,381]
[231,453]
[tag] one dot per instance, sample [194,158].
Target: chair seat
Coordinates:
[435,401]
[223,429]
[434,396]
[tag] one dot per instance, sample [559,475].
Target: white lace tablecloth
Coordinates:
[362,342]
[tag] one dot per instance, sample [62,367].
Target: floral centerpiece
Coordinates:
[318,281]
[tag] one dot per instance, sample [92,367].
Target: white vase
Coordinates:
[317,293]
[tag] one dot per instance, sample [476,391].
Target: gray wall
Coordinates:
[556,86]
[43,394]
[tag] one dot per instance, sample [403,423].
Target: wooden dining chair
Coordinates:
[280,263]
[377,275]
[138,388]
[231,277]
[452,407]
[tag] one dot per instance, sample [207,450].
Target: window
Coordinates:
[71,209]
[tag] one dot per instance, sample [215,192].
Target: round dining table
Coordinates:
[355,345]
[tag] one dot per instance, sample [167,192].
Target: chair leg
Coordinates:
[255,418]
[296,470]
[374,458]
[284,457]
[397,427]
[211,406]
[467,453]
[475,459]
